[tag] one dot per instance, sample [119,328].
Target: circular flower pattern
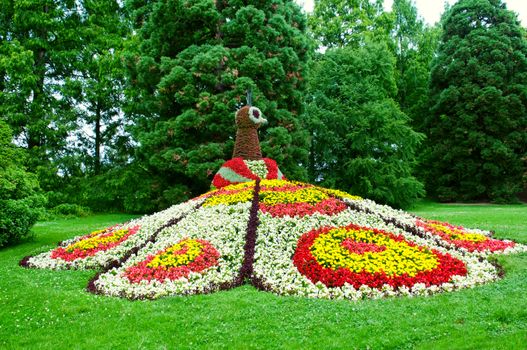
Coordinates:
[284,198]
[459,236]
[365,256]
[175,262]
[93,243]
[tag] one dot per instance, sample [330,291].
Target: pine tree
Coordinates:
[195,62]
[361,141]
[477,132]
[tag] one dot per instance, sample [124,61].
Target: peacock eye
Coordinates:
[256,116]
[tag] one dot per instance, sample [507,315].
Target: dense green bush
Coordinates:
[20,200]
[68,209]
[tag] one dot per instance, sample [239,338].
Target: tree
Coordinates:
[414,46]
[96,88]
[20,201]
[361,141]
[195,62]
[477,132]
[349,22]
[39,44]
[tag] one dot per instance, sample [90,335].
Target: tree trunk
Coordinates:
[98,141]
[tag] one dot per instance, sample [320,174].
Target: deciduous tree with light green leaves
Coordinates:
[349,22]
[361,141]
[196,60]
[414,45]
[477,133]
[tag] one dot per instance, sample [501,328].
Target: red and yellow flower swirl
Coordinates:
[177,261]
[463,238]
[93,243]
[280,198]
[366,256]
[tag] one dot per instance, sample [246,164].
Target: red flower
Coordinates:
[329,206]
[488,243]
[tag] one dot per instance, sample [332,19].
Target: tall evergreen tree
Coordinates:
[196,60]
[361,141]
[477,133]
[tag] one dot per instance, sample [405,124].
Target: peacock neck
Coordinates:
[247,145]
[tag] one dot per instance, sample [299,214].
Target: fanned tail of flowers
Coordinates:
[102,248]
[203,253]
[287,237]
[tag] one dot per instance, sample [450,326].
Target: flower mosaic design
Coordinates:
[93,243]
[179,260]
[364,256]
[290,238]
[238,170]
[283,198]
[286,237]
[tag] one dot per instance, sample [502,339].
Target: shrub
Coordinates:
[67,209]
[20,200]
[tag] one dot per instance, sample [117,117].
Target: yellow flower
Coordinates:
[458,234]
[96,239]
[172,257]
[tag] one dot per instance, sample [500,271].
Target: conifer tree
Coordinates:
[96,90]
[196,60]
[477,132]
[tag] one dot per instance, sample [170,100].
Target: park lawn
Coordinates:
[50,309]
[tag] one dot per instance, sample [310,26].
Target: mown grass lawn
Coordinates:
[51,310]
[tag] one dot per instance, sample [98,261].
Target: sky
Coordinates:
[431,10]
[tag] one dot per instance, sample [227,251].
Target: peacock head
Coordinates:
[249,117]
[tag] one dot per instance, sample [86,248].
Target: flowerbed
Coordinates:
[101,248]
[287,237]
[222,226]
[177,261]
[364,256]
[93,243]
[283,198]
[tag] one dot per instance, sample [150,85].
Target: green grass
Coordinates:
[51,310]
